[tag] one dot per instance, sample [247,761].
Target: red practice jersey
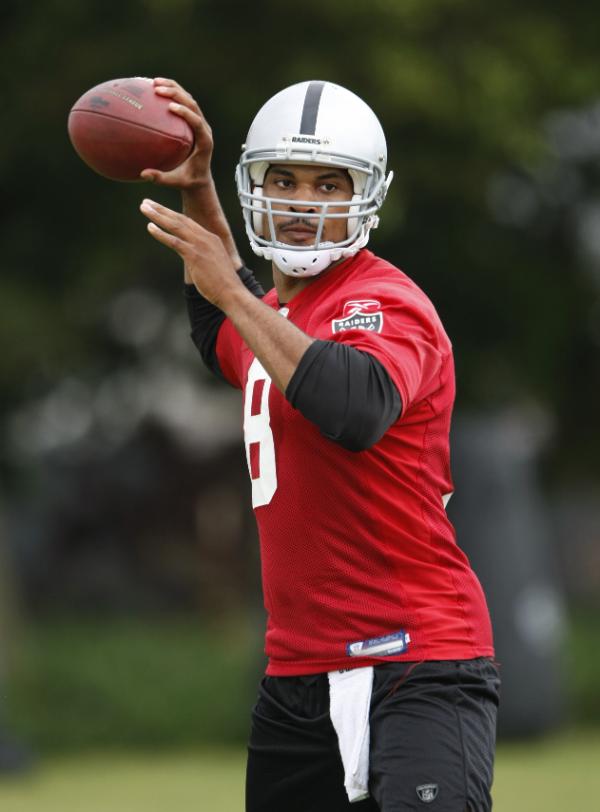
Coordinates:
[359,561]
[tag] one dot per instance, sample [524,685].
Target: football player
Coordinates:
[380,689]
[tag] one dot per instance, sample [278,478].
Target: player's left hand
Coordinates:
[206,259]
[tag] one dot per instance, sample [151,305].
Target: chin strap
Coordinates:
[305,263]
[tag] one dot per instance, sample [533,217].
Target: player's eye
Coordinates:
[328,187]
[284,183]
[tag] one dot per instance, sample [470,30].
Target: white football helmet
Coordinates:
[313,123]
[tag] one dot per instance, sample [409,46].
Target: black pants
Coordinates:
[433,727]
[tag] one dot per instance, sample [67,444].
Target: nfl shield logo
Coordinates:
[427,792]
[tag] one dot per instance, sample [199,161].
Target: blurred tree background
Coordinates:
[123,484]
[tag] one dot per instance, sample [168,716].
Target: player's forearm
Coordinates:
[201,203]
[277,343]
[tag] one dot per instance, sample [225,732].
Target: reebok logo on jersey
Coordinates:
[386,646]
[360,314]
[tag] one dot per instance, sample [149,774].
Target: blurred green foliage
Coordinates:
[152,684]
[462,88]
[584,667]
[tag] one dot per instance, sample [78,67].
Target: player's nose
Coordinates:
[301,205]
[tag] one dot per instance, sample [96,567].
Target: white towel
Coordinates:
[349,706]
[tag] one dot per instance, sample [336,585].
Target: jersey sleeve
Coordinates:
[402,332]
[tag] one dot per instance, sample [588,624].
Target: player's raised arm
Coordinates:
[193,177]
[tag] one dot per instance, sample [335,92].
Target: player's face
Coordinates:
[322,184]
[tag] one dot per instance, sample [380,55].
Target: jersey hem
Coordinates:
[292,669]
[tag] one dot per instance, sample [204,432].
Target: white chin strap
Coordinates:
[306,263]
[303,263]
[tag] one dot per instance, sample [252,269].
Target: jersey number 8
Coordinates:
[258,437]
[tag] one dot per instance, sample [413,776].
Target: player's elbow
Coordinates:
[356,444]
[359,433]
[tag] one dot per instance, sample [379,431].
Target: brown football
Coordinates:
[122,126]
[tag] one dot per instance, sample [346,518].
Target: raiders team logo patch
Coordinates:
[427,792]
[363,314]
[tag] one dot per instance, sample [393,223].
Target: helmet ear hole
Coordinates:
[257,217]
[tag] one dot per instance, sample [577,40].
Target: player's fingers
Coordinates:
[178,94]
[195,120]
[157,208]
[162,80]
[151,175]
[172,221]
[166,218]
[170,240]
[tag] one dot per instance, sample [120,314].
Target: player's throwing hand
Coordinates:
[195,171]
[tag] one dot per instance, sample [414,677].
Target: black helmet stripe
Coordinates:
[310,110]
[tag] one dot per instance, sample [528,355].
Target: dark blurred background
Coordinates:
[130,601]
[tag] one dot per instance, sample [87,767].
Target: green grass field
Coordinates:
[547,776]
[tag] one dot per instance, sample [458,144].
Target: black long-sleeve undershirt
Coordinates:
[205,319]
[347,393]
